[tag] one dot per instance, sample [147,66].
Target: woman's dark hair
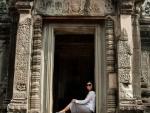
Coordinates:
[89,82]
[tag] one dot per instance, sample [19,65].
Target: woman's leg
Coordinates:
[76,108]
[67,107]
[79,108]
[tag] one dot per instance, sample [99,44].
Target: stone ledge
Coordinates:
[16,107]
[131,104]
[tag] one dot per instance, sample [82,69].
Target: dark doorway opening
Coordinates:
[73,66]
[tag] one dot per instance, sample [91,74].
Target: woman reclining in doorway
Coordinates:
[82,106]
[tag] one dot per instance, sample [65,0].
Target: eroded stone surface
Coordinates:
[73,7]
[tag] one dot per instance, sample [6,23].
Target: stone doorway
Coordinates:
[79,49]
[73,66]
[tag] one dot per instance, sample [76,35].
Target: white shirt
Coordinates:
[89,101]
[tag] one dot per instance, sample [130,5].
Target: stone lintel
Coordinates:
[24,6]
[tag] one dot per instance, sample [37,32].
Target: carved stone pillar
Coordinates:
[36,66]
[127,99]
[124,73]
[22,73]
[110,66]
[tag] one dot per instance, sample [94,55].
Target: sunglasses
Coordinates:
[89,85]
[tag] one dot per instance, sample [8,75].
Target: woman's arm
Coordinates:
[86,100]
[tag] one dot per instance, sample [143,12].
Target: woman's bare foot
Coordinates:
[64,110]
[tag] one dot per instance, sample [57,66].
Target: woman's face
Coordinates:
[89,86]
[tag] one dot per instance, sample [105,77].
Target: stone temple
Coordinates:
[49,48]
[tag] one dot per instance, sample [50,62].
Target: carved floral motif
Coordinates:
[22,65]
[73,7]
[146,8]
[124,65]
[3,6]
[124,61]
[36,65]
[145,64]
[22,54]
[124,75]
[21,86]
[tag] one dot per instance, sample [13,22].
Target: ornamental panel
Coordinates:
[146,8]
[73,7]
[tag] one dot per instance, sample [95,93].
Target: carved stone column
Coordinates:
[110,66]
[128,83]
[36,66]
[124,73]
[22,73]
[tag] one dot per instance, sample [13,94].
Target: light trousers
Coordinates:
[78,108]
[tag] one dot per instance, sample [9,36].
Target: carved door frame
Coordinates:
[48,59]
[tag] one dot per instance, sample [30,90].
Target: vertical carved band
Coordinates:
[126,97]
[110,65]
[110,46]
[36,66]
[22,64]
[124,67]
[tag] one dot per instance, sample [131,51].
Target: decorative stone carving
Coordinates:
[124,76]
[124,61]
[146,8]
[127,6]
[22,64]
[110,45]
[21,86]
[72,7]
[110,64]
[3,7]
[126,48]
[124,69]
[22,53]
[125,91]
[109,6]
[145,64]
[36,66]
[124,52]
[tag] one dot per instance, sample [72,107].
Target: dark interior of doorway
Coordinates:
[73,67]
